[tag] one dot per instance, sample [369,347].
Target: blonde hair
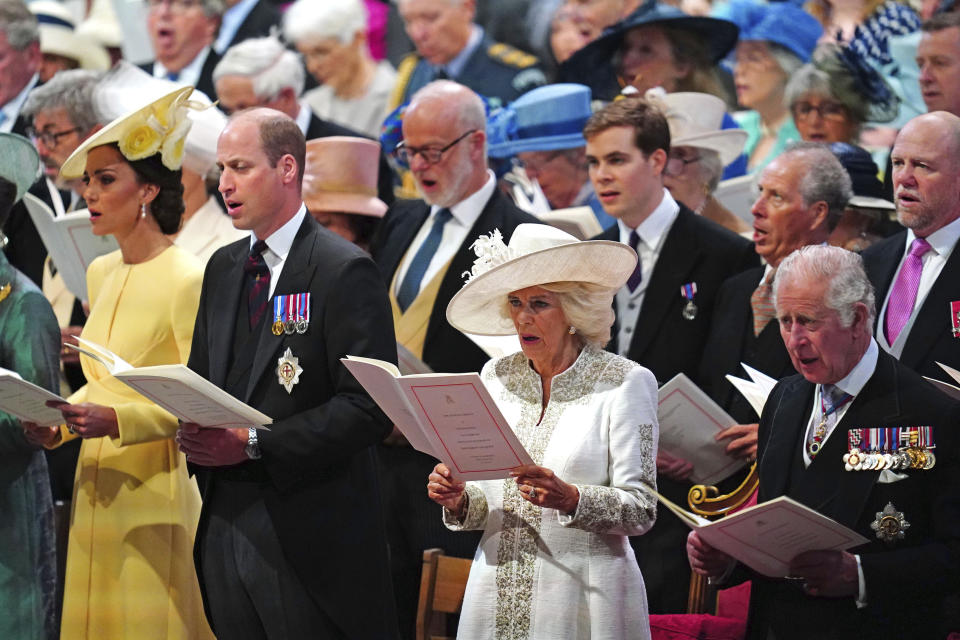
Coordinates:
[588,307]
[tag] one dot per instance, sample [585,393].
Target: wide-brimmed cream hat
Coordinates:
[695,120]
[341,176]
[160,126]
[537,254]
[58,36]
[19,162]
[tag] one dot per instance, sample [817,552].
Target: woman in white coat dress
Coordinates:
[554,560]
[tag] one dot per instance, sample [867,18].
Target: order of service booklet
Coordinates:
[181,391]
[70,241]
[767,536]
[27,401]
[450,416]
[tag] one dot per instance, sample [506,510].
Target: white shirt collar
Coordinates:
[303,117]
[12,109]
[942,240]
[854,381]
[468,210]
[190,74]
[230,23]
[280,241]
[655,227]
[455,66]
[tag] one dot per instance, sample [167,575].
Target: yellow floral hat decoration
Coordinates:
[158,127]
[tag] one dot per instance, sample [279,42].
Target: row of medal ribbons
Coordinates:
[893,448]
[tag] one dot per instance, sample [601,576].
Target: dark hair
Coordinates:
[167,208]
[8,197]
[648,122]
[279,136]
[691,49]
[941,21]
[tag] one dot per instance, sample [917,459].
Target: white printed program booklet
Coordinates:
[450,416]
[181,391]
[689,422]
[27,401]
[947,388]
[70,242]
[766,537]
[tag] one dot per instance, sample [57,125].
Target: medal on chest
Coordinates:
[688,291]
[288,370]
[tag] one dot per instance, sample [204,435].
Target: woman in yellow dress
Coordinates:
[130,571]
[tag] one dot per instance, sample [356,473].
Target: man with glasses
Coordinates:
[182,33]
[664,310]
[422,249]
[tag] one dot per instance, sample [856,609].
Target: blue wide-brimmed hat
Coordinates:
[545,119]
[787,25]
[591,65]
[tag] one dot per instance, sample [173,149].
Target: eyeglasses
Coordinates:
[430,155]
[50,139]
[177,6]
[677,165]
[826,110]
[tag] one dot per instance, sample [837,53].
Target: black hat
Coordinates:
[867,188]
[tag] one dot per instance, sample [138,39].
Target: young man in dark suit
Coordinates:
[915,272]
[849,392]
[664,311]
[291,541]
[802,195]
[423,249]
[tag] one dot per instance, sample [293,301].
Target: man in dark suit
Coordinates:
[802,195]
[848,392]
[182,38]
[451,46]
[290,542]
[915,272]
[245,19]
[422,249]
[664,311]
[261,72]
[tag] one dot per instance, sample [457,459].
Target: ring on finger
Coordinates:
[71,429]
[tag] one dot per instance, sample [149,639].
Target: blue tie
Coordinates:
[173,76]
[410,286]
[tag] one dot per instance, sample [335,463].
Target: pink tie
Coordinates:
[904,293]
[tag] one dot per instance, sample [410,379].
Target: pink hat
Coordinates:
[341,176]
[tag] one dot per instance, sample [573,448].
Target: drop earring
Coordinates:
[143,210]
[572,330]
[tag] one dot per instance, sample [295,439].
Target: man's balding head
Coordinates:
[448,115]
[926,172]
[261,153]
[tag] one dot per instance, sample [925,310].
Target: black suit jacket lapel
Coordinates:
[489,219]
[787,425]
[223,308]
[400,239]
[295,278]
[881,265]
[677,257]
[933,319]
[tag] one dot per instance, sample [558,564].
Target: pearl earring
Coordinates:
[572,330]
[143,210]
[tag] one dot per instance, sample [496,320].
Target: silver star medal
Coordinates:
[890,525]
[288,370]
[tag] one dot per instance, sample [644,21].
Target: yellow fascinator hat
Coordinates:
[158,127]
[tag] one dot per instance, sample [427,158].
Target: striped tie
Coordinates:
[258,276]
[761,302]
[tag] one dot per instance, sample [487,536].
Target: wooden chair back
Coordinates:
[442,584]
[706,501]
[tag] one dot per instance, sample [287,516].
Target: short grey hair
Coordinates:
[588,307]
[842,269]
[711,169]
[270,66]
[824,178]
[313,20]
[826,76]
[471,114]
[787,60]
[18,24]
[71,91]
[213,8]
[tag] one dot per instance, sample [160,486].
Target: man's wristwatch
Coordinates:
[253,445]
